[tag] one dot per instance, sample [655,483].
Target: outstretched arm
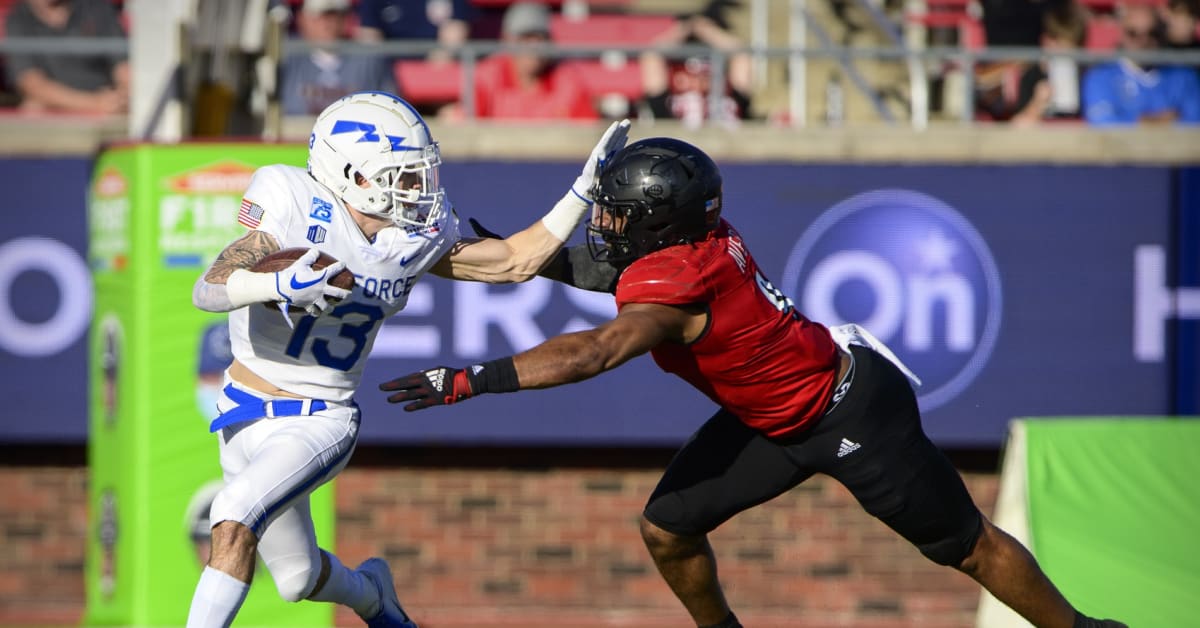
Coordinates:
[573,266]
[563,359]
[520,256]
[586,354]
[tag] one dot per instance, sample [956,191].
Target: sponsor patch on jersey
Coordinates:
[321,210]
[316,234]
[251,213]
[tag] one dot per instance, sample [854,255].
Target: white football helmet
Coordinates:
[383,139]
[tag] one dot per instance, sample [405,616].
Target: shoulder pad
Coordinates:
[269,185]
[668,277]
[270,202]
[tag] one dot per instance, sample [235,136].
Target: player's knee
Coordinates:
[953,550]
[296,587]
[662,542]
[231,539]
[295,578]
[230,505]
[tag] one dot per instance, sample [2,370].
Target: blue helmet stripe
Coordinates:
[350,126]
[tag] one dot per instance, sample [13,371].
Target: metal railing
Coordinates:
[469,55]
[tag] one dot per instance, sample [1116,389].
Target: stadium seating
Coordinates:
[615,74]
[592,4]
[5,7]
[942,14]
[425,83]
[1103,33]
[612,77]
[606,29]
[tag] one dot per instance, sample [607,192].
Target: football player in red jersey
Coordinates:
[793,400]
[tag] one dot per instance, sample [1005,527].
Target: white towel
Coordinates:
[851,334]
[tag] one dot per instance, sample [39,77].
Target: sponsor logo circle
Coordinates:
[913,271]
[71,277]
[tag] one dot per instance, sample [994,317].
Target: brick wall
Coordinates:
[554,548]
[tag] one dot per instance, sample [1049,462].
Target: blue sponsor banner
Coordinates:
[1012,291]
[45,300]
[1187,295]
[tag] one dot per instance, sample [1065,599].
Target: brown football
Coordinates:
[280,260]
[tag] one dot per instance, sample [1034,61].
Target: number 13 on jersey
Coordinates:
[362,321]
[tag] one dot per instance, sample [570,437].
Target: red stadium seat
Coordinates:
[422,83]
[971,34]
[603,78]
[602,30]
[943,14]
[1103,33]
[5,7]
[618,76]
[1100,6]
[592,4]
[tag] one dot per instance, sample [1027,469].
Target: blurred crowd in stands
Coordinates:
[65,83]
[1120,91]
[522,81]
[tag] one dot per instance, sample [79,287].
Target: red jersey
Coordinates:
[759,358]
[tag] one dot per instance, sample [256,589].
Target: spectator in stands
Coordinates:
[1049,89]
[525,83]
[1179,24]
[1128,92]
[68,83]
[1007,23]
[680,89]
[310,81]
[448,22]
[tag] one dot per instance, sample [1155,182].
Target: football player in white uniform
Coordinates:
[288,423]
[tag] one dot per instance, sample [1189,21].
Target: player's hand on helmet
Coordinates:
[612,141]
[437,386]
[302,286]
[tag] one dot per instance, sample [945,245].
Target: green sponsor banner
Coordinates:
[157,217]
[1114,515]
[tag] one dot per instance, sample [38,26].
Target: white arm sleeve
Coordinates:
[242,288]
[211,297]
[565,215]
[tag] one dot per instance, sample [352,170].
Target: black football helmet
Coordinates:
[657,192]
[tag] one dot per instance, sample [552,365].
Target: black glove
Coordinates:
[435,387]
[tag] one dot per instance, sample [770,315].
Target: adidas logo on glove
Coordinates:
[436,378]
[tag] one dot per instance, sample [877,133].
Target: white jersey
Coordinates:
[322,357]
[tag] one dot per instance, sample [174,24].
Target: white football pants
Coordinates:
[270,466]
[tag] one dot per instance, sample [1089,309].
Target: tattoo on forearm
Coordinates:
[242,253]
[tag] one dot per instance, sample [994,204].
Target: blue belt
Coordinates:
[250,408]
